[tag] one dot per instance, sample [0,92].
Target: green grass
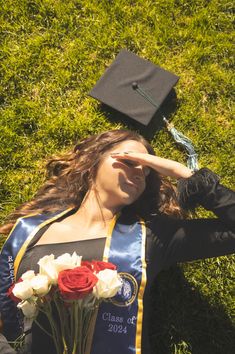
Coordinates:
[54,51]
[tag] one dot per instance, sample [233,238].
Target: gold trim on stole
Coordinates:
[16,223]
[109,237]
[141,291]
[23,248]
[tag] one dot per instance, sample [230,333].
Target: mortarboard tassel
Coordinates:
[192,161]
[186,143]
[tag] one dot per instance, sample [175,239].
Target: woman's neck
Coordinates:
[94,211]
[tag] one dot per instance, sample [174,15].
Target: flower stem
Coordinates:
[75,323]
[80,313]
[62,322]
[54,328]
[43,329]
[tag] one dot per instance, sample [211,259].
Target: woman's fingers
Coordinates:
[133,160]
[138,157]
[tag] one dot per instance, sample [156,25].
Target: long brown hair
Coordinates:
[70,176]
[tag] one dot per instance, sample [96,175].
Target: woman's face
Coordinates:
[121,182]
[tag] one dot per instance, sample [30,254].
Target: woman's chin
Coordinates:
[129,198]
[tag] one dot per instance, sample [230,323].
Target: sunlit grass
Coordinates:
[54,51]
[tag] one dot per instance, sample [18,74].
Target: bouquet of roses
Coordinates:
[67,291]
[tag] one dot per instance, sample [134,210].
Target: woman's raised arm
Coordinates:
[190,239]
[163,166]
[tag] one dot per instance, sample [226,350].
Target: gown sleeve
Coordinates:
[5,348]
[177,240]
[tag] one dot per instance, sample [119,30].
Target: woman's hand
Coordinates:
[163,166]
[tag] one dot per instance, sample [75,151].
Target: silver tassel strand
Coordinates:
[192,161]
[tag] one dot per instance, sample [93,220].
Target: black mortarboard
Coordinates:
[134,86]
[138,89]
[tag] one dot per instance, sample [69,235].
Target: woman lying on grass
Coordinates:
[109,199]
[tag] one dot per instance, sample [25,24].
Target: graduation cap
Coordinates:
[134,86]
[138,89]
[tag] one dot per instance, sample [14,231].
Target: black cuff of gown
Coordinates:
[193,191]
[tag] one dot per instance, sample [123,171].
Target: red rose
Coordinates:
[76,283]
[88,264]
[99,265]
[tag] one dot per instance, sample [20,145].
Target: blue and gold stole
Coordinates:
[119,321]
[118,326]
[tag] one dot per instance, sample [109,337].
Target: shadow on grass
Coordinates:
[181,318]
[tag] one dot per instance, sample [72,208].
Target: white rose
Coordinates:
[29,309]
[51,267]
[108,284]
[67,261]
[23,290]
[28,275]
[40,284]
[47,267]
